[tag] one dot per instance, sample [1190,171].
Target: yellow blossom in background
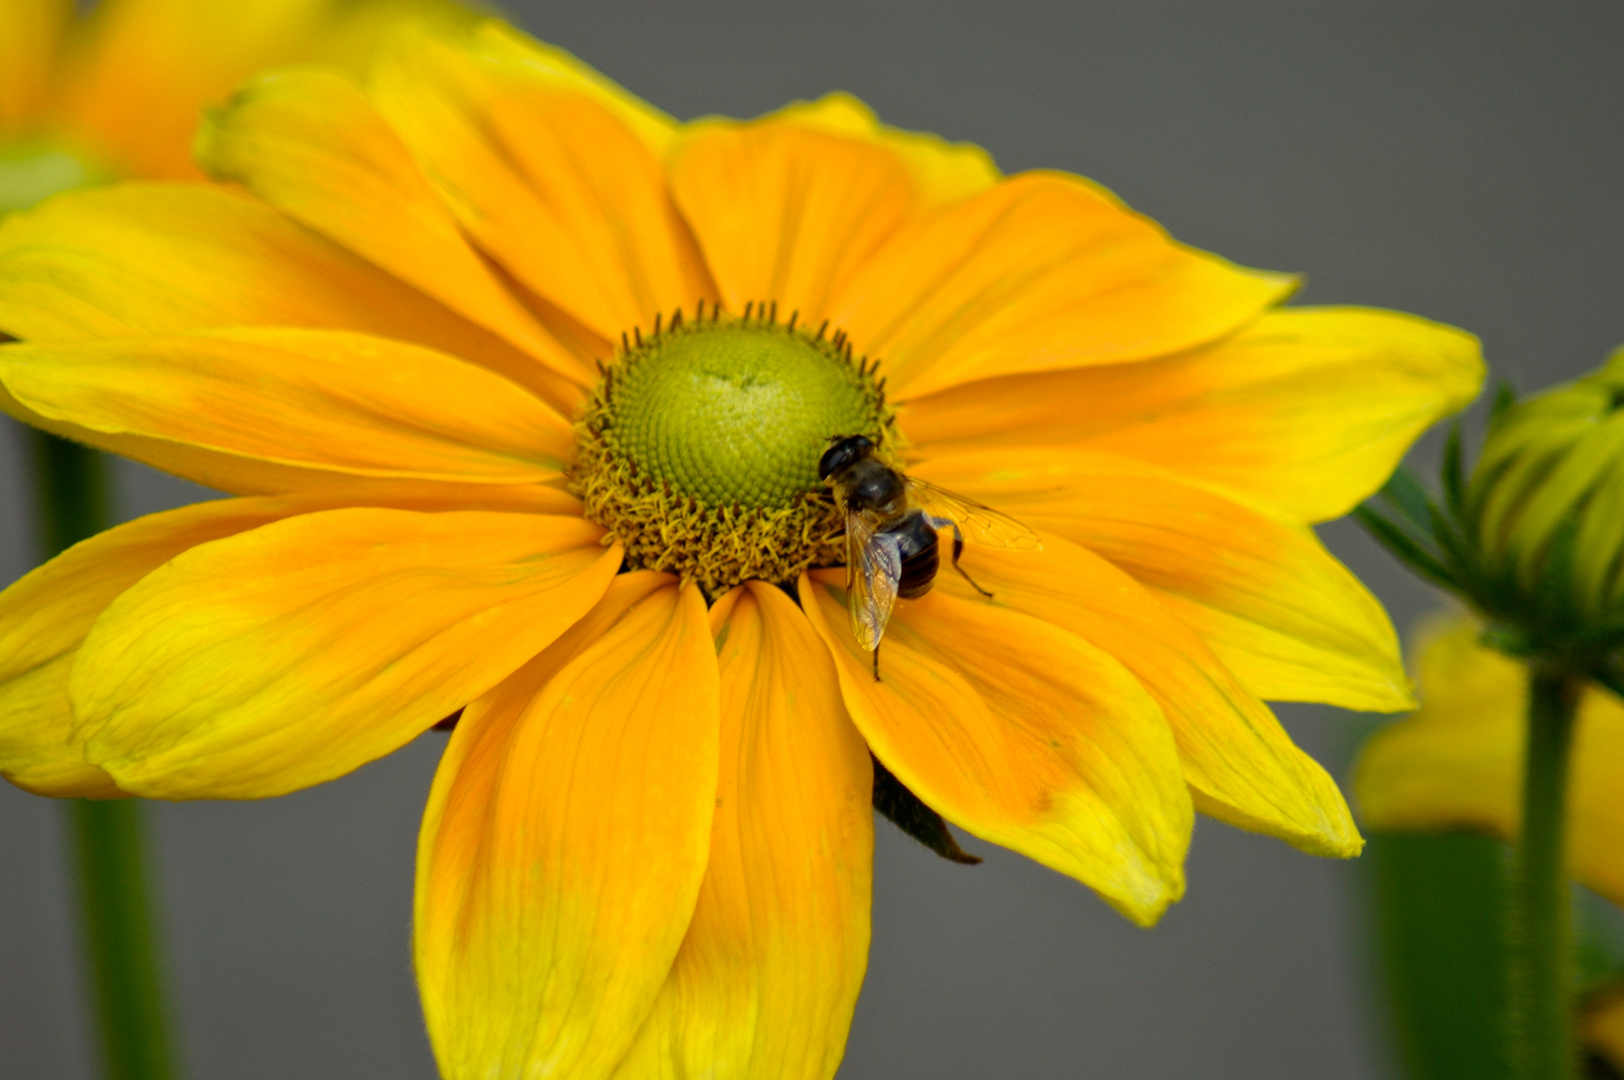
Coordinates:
[118,93]
[1457,764]
[479,341]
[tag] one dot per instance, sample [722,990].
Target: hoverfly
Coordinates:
[891,542]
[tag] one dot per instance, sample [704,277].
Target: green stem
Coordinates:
[1542,935]
[108,836]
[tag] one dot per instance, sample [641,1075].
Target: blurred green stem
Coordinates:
[109,837]
[1542,1042]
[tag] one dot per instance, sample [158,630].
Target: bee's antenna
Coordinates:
[822,328]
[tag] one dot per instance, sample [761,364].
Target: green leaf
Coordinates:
[1440,905]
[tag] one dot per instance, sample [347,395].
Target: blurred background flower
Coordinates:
[1452,160]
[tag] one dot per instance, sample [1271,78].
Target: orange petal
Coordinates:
[766,980]
[556,182]
[30,31]
[1042,272]
[1024,734]
[1458,762]
[942,171]
[565,840]
[294,653]
[174,258]
[310,401]
[787,213]
[45,616]
[1307,409]
[1241,765]
[1280,612]
[310,143]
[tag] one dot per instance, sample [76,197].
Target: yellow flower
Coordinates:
[648,845]
[118,94]
[1458,764]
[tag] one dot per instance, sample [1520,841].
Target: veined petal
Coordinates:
[1458,762]
[565,840]
[300,400]
[1024,734]
[175,258]
[765,982]
[1306,409]
[943,171]
[546,175]
[45,616]
[1042,272]
[1241,765]
[1281,613]
[785,212]
[310,143]
[289,655]
[30,31]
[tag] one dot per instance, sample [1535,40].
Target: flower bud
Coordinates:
[1546,504]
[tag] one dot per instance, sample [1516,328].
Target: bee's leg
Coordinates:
[958,549]
[876,662]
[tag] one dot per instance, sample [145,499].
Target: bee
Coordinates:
[892,548]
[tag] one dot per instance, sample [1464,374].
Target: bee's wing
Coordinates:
[982,523]
[873,571]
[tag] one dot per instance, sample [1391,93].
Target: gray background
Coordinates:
[1463,161]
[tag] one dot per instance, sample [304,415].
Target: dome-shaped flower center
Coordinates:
[699,448]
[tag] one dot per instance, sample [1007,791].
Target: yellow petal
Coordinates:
[174,258]
[30,31]
[785,212]
[1307,409]
[147,67]
[1042,272]
[1282,614]
[46,614]
[565,840]
[767,977]
[1241,765]
[1025,735]
[309,143]
[1604,1027]
[1457,763]
[942,171]
[294,653]
[546,175]
[302,401]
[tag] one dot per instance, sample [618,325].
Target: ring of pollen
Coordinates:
[698,448]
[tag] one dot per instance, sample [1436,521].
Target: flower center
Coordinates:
[699,447]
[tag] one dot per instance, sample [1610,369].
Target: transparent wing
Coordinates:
[980,523]
[873,570]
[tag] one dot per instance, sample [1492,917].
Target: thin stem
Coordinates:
[1542,935]
[109,837]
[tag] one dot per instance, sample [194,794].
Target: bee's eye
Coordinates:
[844,450]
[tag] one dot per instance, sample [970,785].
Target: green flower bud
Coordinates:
[1545,512]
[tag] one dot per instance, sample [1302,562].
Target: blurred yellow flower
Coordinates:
[1457,763]
[647,849]
[119,93]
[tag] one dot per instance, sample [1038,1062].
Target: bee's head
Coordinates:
[843,451]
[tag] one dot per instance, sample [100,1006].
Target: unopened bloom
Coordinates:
[524,385]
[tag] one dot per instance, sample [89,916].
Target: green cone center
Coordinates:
[738,414]
[698,450]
